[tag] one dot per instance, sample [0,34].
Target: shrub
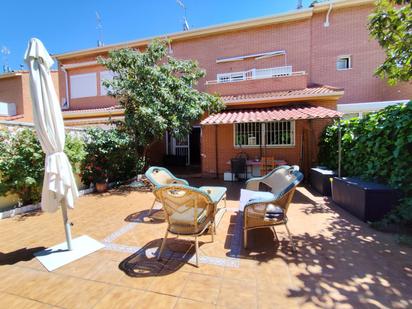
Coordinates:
[22,163]
[376,148]
[110,156]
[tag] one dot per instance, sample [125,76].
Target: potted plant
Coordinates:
[96,173]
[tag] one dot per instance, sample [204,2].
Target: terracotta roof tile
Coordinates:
[307,92]
[290,112]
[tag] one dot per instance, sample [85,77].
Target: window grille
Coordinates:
[276,133]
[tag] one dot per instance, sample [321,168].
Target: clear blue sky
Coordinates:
[71,25]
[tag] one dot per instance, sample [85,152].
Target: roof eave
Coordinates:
[92,114]
[335,96]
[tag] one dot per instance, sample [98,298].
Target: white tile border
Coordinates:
[17,211]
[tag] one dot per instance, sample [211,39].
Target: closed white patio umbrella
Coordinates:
[59,186]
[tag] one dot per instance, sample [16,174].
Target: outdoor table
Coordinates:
[256,164]
[217,194]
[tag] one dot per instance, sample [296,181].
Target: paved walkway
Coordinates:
[340,261]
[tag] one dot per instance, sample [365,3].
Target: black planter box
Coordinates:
[320,180]
[366,200]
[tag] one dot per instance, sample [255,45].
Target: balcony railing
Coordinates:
[254,74]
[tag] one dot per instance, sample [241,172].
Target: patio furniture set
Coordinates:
[243,167]
[192,211]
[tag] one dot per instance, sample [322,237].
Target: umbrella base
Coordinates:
[58,256]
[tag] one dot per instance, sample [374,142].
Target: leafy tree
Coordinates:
[157,92]
[391,26]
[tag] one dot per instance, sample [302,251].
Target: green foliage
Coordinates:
[22,163]
[75,151]
[109,156]
[377,148]
[157,92]
[391,26]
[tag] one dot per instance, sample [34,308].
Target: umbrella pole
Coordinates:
[67,226]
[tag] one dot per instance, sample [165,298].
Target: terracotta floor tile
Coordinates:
[171,284]
[12,301]
[202,288]
[340,262]
[142,283]
[85,295]
[119,298]
[191,304]
[235,294]
[158,301]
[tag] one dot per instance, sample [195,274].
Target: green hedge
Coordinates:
[22,163]
[110,156]
[378,148]
[96,155]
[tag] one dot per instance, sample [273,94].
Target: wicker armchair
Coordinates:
[159,177]
[268,212]
[275,180]
[189,212]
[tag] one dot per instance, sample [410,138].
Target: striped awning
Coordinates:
[278,113]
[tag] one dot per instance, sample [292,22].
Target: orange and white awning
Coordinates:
[278,113]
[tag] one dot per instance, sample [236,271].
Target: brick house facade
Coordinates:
[320,56]
[15,97]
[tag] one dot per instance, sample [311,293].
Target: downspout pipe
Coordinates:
[327,23]
[66,78]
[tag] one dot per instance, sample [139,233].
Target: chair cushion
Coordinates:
[274,213]
[186,215]
[182,221]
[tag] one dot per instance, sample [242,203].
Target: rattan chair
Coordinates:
[189,212]
[269,212]
[159,177]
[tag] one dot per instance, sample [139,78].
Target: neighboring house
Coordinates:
[282,78]
[15,97]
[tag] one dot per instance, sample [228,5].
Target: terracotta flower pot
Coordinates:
[101,187]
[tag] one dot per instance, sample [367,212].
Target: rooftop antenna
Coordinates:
[299,5]
[186,26]
[5,52]
[99,27]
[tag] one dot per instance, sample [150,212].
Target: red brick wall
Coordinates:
[260,85]
[348,35]
[16,90]
[310,47]
[11,92]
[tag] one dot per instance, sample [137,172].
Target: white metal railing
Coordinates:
[254,74]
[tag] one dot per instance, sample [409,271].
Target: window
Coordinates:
[344,63]
[83,85]
[276,133]
[105,75]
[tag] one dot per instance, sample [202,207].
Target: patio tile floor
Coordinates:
[340,262]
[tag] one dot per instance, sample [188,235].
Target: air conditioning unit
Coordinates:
[7,109]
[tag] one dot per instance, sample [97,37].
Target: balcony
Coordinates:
[258,80]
